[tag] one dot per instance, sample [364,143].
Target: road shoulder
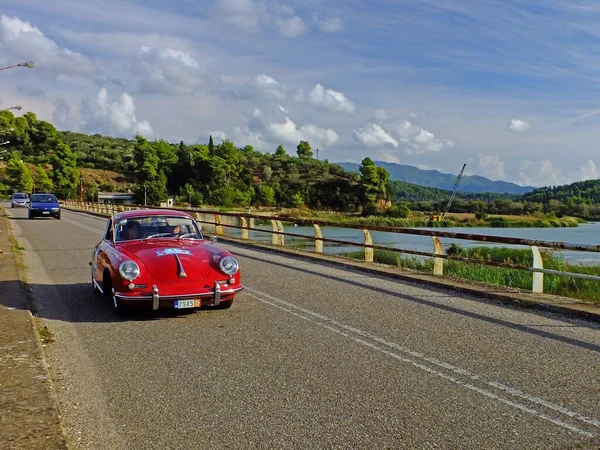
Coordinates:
[29,416]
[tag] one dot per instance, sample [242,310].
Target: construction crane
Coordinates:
[442,217]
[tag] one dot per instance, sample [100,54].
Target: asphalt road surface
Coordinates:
[309,356]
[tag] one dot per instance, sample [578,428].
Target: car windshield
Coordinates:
[20,196]
[153,227]
[43,198]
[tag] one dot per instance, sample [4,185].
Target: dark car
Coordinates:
[19,199]
[44,205]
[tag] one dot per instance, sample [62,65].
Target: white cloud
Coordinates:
[330,25]
[291,27]
[374,136]
[166,70]
[99,115]
[491,166]
[270,86]
[243,136]
[330,99]
[418,140]
[540,173]
[318,135]
[245,14]
[218,135]
[518,125]
[282,109]
[62,118]
[19,40]
[381,114]
[588,171]
[388,157]
[290,133]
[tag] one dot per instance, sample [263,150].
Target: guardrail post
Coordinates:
[368,250]
[438,263]
[218,227]
[318,239]
[276,238]
[244,223]
[275,230]
[538,277]
[280,237]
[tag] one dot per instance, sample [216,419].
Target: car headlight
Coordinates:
[55,209]
[229,265]
[129,270]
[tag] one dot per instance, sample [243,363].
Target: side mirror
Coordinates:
[213,239]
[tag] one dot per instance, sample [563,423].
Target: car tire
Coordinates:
[224,304]
[30,216]
[58,217]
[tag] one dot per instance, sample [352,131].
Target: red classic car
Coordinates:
[159,259]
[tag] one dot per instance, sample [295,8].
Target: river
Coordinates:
[588,233]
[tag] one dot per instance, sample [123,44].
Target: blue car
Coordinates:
[44,205]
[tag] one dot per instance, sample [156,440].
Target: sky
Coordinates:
[509,87]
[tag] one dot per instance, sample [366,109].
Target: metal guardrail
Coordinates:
[245,223]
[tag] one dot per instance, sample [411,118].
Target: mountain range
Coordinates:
[436,179]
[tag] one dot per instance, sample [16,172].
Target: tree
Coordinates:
[211,145]
[41,181]
[304,150]
[145,158]
[188,191]
[280,152]
[65,175]
[19,176]
[266,195]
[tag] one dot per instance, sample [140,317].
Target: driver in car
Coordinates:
[133,230]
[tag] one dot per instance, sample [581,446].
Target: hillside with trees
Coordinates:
[36,157]
[445,181]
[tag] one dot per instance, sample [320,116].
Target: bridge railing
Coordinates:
[218,221]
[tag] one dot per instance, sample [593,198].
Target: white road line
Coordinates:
[457,370]
[366,339]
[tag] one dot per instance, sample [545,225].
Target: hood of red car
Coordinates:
[170,260]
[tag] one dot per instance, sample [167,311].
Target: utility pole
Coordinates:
[144,194]
[317,154]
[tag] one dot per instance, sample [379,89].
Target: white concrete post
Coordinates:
[318,239]
[244,224]
[538,277]
[438,263]
[368,250]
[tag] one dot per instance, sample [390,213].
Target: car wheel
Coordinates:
[225,304]
[58,217]
[30,216]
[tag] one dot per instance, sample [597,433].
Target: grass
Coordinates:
[46,335]
[586,290]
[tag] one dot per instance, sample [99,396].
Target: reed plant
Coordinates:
[586,290]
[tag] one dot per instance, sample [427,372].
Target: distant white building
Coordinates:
[116,198]
[168,203]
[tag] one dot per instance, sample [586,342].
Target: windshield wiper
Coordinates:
[158,235]
[187,235]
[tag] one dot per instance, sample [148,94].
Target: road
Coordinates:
[309,356]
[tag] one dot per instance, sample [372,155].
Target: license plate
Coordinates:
[194,303]
[45,212]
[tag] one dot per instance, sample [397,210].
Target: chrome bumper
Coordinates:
[216,294]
